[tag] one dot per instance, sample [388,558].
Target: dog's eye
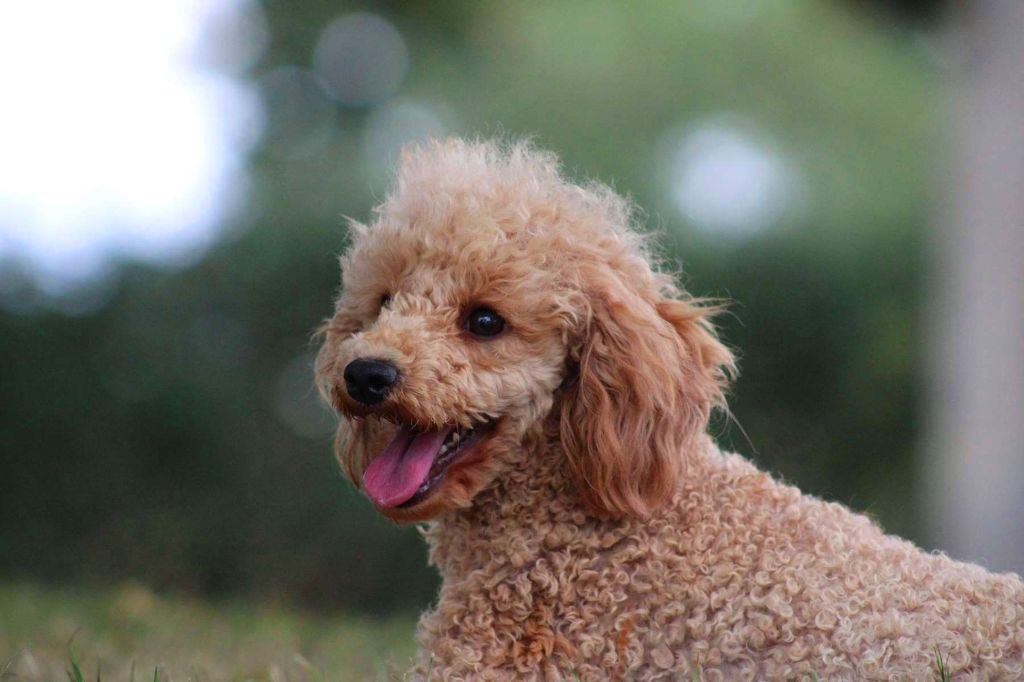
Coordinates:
[385,300]
[485,322]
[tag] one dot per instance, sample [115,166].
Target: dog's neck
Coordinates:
[531,508]
[533,489]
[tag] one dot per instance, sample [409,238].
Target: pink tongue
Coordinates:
[395,475]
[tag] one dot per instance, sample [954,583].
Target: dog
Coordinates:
[513,368]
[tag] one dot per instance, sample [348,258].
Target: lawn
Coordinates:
[130,633]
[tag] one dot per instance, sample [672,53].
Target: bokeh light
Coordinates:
[361,59]
[300,120]
[391,126]
[117,141]
[725,178]
[297,404]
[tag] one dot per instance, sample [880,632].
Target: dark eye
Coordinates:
[385,300]
[485,322]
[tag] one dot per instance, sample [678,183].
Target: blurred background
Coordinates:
[173,180]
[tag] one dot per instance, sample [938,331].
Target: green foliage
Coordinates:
[156,437]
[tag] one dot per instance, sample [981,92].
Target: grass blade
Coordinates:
[940,666]
[75,674]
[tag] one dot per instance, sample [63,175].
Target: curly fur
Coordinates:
[600,533]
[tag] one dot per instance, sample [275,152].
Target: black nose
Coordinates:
[370,381]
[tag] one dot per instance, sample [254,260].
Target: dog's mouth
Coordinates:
[415,462]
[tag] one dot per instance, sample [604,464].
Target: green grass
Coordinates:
[132,634]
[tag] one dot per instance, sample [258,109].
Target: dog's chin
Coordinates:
[456,474]
[448,496]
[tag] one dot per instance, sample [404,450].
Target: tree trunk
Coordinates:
[976,450]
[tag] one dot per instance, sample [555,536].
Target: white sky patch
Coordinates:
[726,178]
[116,141]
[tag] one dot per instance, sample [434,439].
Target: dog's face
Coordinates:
[487,293]
[442,352]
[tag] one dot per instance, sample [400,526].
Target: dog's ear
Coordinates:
[650,370]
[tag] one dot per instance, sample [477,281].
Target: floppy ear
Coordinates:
[650,370]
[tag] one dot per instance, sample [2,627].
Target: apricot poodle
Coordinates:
[513,369]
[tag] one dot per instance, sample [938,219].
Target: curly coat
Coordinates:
[598,532]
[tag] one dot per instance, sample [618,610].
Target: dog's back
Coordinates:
[741,577]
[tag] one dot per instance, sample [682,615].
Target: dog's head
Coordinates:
[490,295]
